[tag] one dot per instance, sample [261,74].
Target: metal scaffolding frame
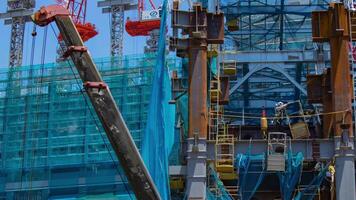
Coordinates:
[267,24]
[265,78]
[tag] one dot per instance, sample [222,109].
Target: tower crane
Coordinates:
[18,12]
[148,20]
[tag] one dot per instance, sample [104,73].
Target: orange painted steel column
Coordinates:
[340,83]
[333,26]
[197,90]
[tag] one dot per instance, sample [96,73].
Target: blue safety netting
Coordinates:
[213,65]
[289,179]
[220,192]
[309,192]
[251,171]
[182,108]
[159,134]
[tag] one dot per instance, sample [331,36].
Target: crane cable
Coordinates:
[24,138]
[38,92]
[94,119]
[344,112]
[26,111]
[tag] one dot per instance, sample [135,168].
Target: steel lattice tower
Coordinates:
[117,30]
[117,10]
[18,12]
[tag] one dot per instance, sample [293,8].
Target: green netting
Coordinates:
[46,122]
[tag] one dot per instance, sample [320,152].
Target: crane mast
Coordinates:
[117,10]
[17,15]
[102,101]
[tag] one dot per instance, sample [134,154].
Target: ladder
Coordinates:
[216,111]
[224,152]
[215,125]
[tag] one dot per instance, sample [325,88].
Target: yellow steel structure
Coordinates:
[229,67]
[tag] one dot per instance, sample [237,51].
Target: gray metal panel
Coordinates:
[177,170]
[273,56]
[196,169]
[109,3]
[9,21]
[126,7]
[17,13]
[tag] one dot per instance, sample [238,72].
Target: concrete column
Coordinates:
[196,168]
[345,168]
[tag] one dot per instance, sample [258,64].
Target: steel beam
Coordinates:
[17,13]
[286,56]
[261,67]
[259,146]
[234,10]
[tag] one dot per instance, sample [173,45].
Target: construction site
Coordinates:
[170,100]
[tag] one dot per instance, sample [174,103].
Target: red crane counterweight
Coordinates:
[77,10]
[148,21]
[141,28]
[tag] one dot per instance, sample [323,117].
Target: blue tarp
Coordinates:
[220,192]
[251,169]
[159,134]
[309,192]
[289,179]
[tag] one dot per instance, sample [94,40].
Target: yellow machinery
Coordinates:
[232,25]
[176,183]
[264,124]
[229,67]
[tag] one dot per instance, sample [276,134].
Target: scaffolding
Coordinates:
[268,24]
[49,131]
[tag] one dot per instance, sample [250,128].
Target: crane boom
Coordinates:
[102,101]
